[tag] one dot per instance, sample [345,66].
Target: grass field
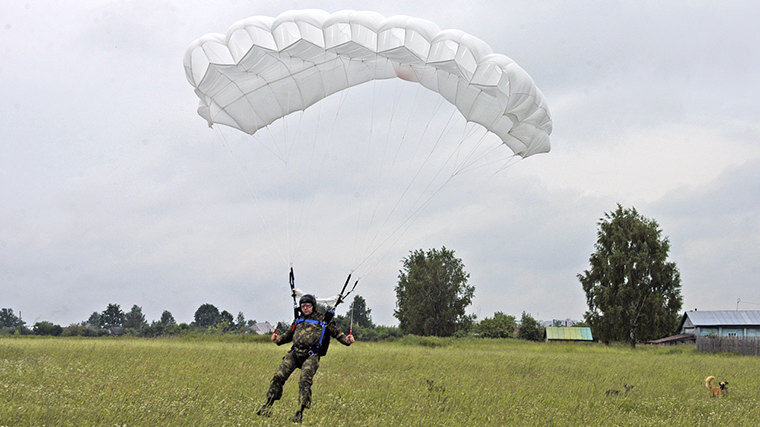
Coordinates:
[412,381]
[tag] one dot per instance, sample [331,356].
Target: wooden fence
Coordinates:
[738,345]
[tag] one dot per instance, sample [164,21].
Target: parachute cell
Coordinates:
[266,68]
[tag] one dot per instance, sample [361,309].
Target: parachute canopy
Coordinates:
[266,68]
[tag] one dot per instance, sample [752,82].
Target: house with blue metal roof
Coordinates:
[728,323]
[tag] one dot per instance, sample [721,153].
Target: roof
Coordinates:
[674,339]
[571,333]
[262,328]
[722,318]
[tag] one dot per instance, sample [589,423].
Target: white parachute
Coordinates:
[266,68]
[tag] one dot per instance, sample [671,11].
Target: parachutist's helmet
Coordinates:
[308,298]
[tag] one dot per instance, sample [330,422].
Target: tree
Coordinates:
[206,315]
[135,319]
[112,316]
[432,294]
[633,292]
[8,319]
[529,328]
[47,328]
[226,318]
[240,321]
[94,320]
[500,326]
[362,315]
[167,318]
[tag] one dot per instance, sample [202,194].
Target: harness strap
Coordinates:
[321,335]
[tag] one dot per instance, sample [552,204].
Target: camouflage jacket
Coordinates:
[305,335]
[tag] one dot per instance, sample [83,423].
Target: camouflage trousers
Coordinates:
[309,363]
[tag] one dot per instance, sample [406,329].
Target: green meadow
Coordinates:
[410,381]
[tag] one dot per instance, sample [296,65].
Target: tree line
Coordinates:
[632,290]
[114,321]
[207,319]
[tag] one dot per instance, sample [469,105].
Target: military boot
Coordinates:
[266,409]
[298,417]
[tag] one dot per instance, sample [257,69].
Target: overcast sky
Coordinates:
[113,189]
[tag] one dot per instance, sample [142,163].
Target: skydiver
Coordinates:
[305,333]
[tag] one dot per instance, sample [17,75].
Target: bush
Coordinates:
[530,329]
[77,330]
[500,326]
[47,328]
[7,330]
[426,341]
[387,333]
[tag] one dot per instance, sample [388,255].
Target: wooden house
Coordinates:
[726,323]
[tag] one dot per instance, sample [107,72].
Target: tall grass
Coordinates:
[412,381]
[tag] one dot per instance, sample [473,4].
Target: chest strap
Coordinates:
[302,320]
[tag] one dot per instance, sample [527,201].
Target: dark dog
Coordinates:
[616,392]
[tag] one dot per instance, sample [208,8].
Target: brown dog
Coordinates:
[716,391]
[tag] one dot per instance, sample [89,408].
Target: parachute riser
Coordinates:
[292,278]
[341,297]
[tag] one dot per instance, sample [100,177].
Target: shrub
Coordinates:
[47,328]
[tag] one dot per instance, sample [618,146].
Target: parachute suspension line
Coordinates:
[409,184]
[288,179]
[408,122]
[317,165]
[510,161]
[290,141]
[299,216]
[343,94]
[297,133]
[464,163]
[466,136]
[259,138]
[502,163]
[276,150]
[383,172]
[406,223]
[440,136]
[422,137]
[294,220]
[305,224]
[371,205]
[360,184]
[390,125]
[471,163]
[427,158]
[401,142]
[249,188]
[409,220]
